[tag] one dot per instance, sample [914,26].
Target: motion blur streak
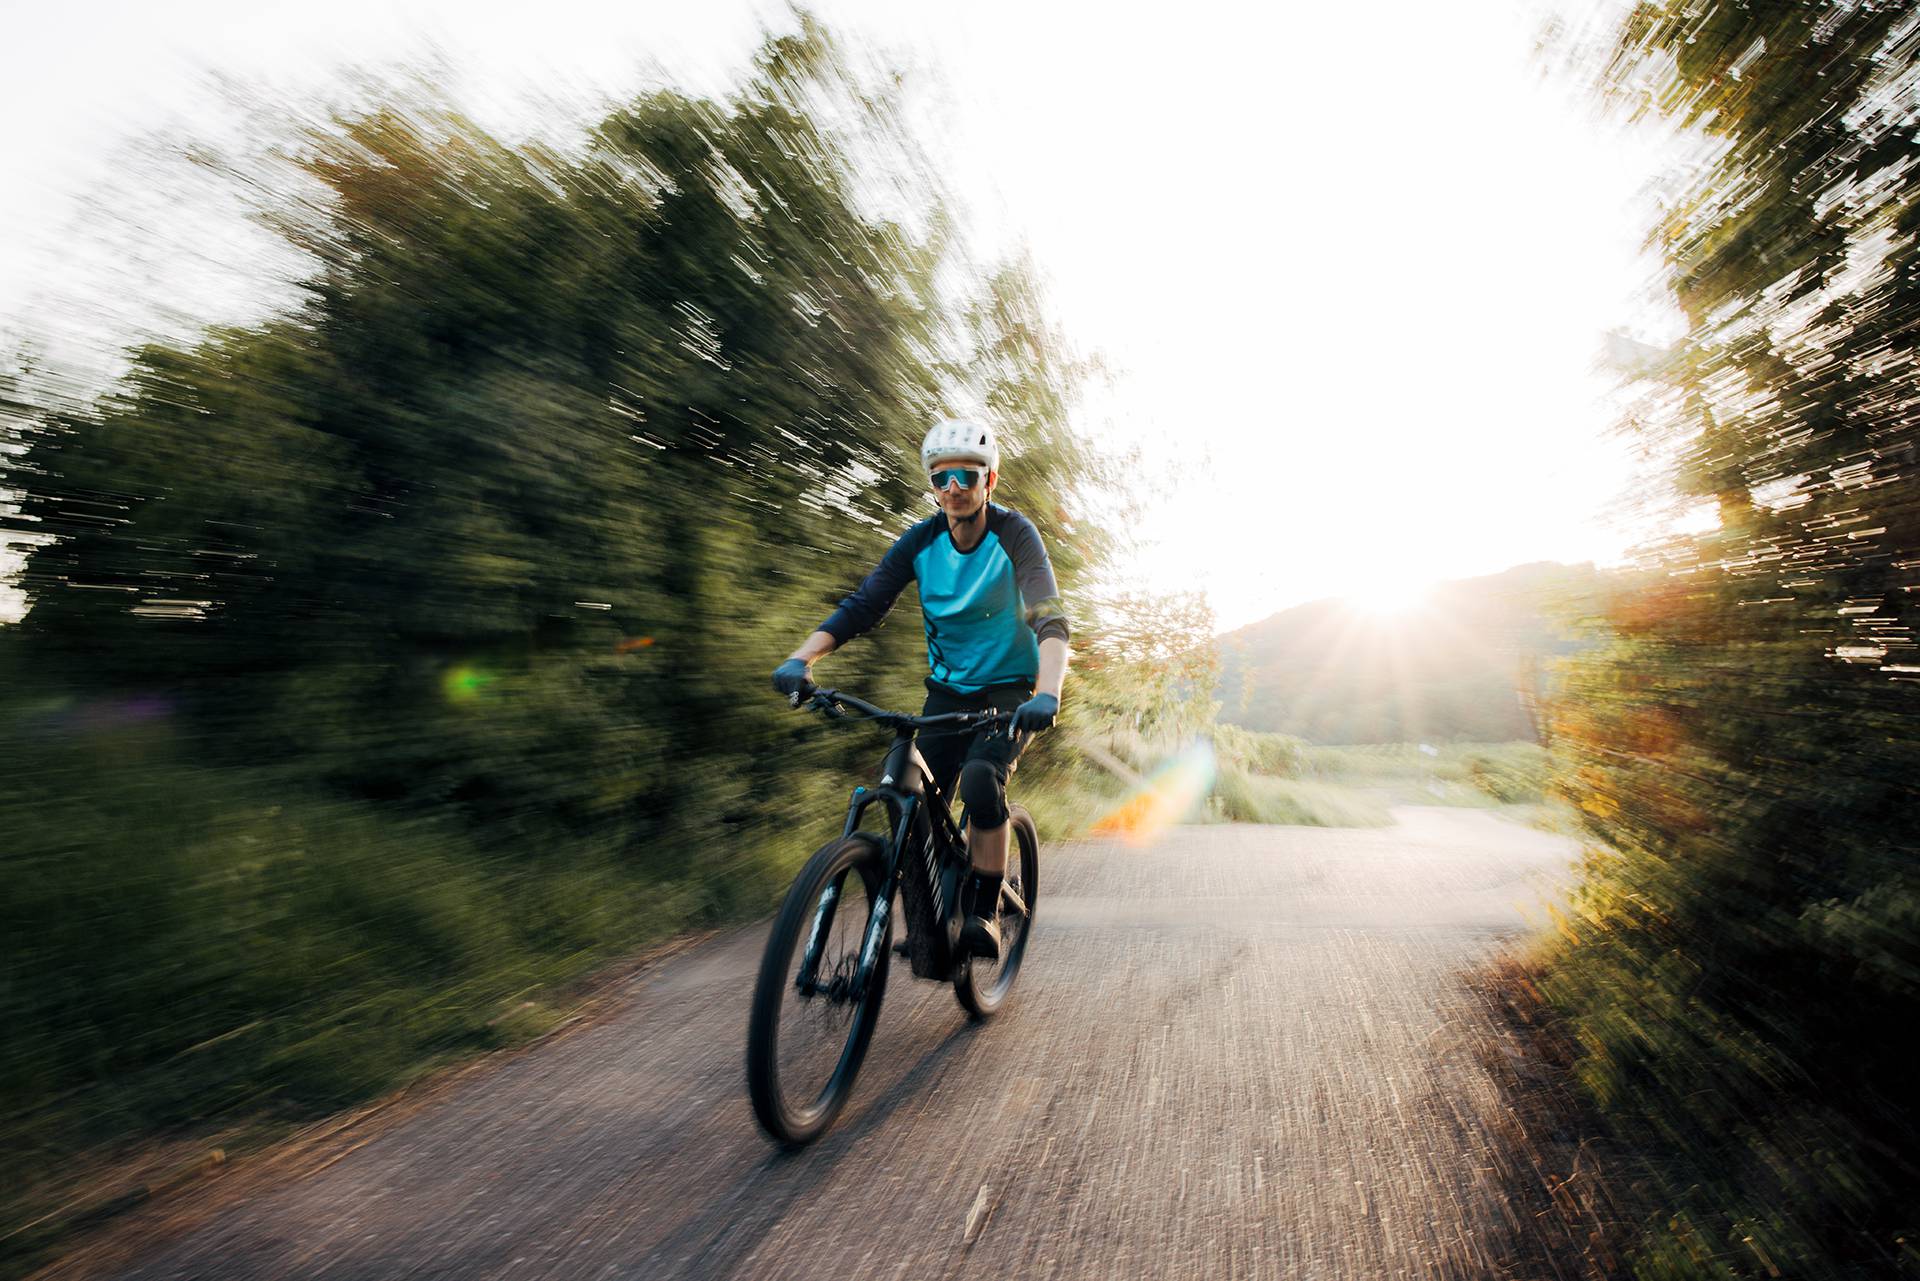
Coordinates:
[1742,744]
[390,662]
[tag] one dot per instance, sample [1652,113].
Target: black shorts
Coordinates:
[947,750]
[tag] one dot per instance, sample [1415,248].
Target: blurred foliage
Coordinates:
[1273,778]
[1150,663]
[1243,795]
[1262,778]
[407,654]
[1275,755]
[1745,947]
[1470,664]
[1510,773]
[1469,774]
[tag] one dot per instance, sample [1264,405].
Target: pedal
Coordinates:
[901,948]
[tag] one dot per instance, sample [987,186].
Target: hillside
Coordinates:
[1461,667]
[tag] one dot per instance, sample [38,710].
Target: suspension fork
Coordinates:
[872,947]
[808,980]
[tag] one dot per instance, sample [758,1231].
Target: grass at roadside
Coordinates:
[1577,1194]
[1355,786]
[1239,777]
[1240,796]
[204,960]
[1474,774]
[1272,778]
[201,959]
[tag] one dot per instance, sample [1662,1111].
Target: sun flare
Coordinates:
[1386,598]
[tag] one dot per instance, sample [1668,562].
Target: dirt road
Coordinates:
[1243,1051]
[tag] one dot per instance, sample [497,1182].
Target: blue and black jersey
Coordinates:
[986,610]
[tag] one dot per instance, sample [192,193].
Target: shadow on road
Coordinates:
[1571,1210]
[738,1217]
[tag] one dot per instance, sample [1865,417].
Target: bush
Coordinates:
[1240,797]
[1275,755]
[1466,774]
[1512,773]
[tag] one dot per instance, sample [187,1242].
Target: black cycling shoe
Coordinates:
[981,937]
[901,948]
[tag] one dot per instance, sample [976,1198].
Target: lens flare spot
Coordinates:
[1166,797]
[463,684]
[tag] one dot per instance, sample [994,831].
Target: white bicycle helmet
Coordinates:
[962,438]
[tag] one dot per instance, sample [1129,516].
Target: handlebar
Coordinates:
[833,702]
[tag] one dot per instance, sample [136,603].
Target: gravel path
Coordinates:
[1243,1051]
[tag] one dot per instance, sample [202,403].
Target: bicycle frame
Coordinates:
[919,820]
[901,836]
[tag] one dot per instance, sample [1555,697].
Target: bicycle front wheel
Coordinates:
[809,1027]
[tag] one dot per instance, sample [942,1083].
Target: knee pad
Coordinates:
[983,790]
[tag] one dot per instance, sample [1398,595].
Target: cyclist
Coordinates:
[996,638]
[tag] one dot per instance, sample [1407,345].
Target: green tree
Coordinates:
[411,649]
[1148,663]
[1745,945]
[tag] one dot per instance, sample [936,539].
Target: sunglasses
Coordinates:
[967,477]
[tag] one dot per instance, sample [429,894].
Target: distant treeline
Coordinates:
[1470,664]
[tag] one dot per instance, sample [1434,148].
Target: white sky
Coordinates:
[1352,271]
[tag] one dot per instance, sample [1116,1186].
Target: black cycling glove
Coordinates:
[791,679]
[1036,714]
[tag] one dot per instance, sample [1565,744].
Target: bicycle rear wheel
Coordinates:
[982,986]
[807,1034]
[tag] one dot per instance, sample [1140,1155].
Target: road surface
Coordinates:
[1242,1051]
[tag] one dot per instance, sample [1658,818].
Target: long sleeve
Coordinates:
[1033,572]
[862,609]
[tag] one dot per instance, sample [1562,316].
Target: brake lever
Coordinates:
[1003,724]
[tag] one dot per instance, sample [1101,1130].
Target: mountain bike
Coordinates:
[824,972]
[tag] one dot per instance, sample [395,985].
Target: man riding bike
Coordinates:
[996,638]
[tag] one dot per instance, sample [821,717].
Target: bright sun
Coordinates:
[1388,597]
